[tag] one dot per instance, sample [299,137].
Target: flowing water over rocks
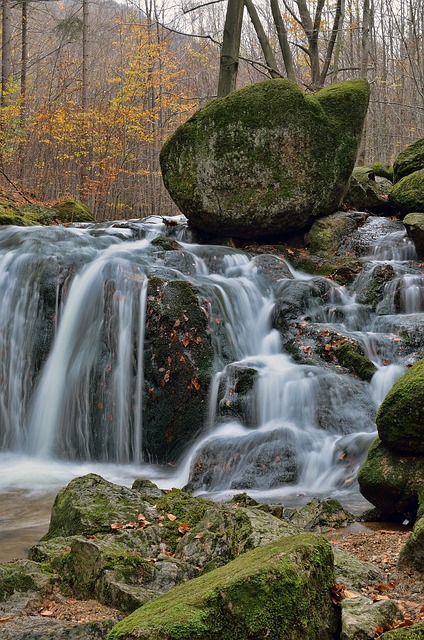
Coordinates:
[283,411]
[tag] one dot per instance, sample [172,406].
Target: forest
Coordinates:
[90,90]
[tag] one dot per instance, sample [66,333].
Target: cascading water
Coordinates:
[280,422]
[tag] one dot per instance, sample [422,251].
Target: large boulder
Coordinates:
[367,190]
[280,590]
[400,419]
[267,159]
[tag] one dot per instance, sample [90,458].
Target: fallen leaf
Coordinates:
[116,525]
[171,517]
[183,528]
[199,535]
[6,619]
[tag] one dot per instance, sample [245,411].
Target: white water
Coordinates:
[310,425]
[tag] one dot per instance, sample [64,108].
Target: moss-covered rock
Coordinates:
[393,482]
[383,170]
[408,194]
[22,584]
[352,357]
[72,210]
[326,234]
[90,504]
[400,419]
[409,160]
[361,617]
[279,590]
[367,190]
[178,366]
[414,632]
[414,223]
[412,554]
[266,159]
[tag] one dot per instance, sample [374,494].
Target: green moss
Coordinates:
[167,244]
[15,578]
[383,170]
[71,210]
[400,419]
[351,356]
[281,148]
[415,632]
[412,554]
[409,160]
[408,193]
[392,482]
[280,590]
[327,233]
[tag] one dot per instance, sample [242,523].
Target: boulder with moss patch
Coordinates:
[409,160]
[267,159]
[72,210]
[412,554]
[393,482]
[367,190]
[400,419]
[408,194]
[280,590]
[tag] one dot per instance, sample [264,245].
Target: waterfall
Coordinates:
[282,418]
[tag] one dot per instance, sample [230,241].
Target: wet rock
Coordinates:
[178,363]
[282,587]
[353,358]
[414,223]
[361,617]
[266,159]
[392,481]
[409,160]
[298,298]
[326,234]
[400,419]
[372,283]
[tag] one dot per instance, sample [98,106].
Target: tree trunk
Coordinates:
[230,48]
[6,49]
[263,40]
[283,40]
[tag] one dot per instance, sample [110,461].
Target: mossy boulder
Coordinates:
[280,590]
[352,357]
[178,366]
[72,210]
[90,504]
[393,482]
[267,159]
[361,617]
[409,160]
[414,223]
[367,190]
[21,582]
[412,554]
[326,234]
[408,194]
[400,419]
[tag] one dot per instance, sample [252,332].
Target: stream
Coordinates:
[300,426]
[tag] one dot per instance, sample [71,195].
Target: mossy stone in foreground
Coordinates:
[280,590]
[352,357]
[265,159]
[408,193]
[412,554]
[400,419]
[409,160]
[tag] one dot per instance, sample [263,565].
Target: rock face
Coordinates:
[392,477]
[408,191]
[400,420]
[267,159]
[368,190]
[281,590]
[414,223]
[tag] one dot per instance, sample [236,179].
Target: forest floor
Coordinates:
[380,547]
